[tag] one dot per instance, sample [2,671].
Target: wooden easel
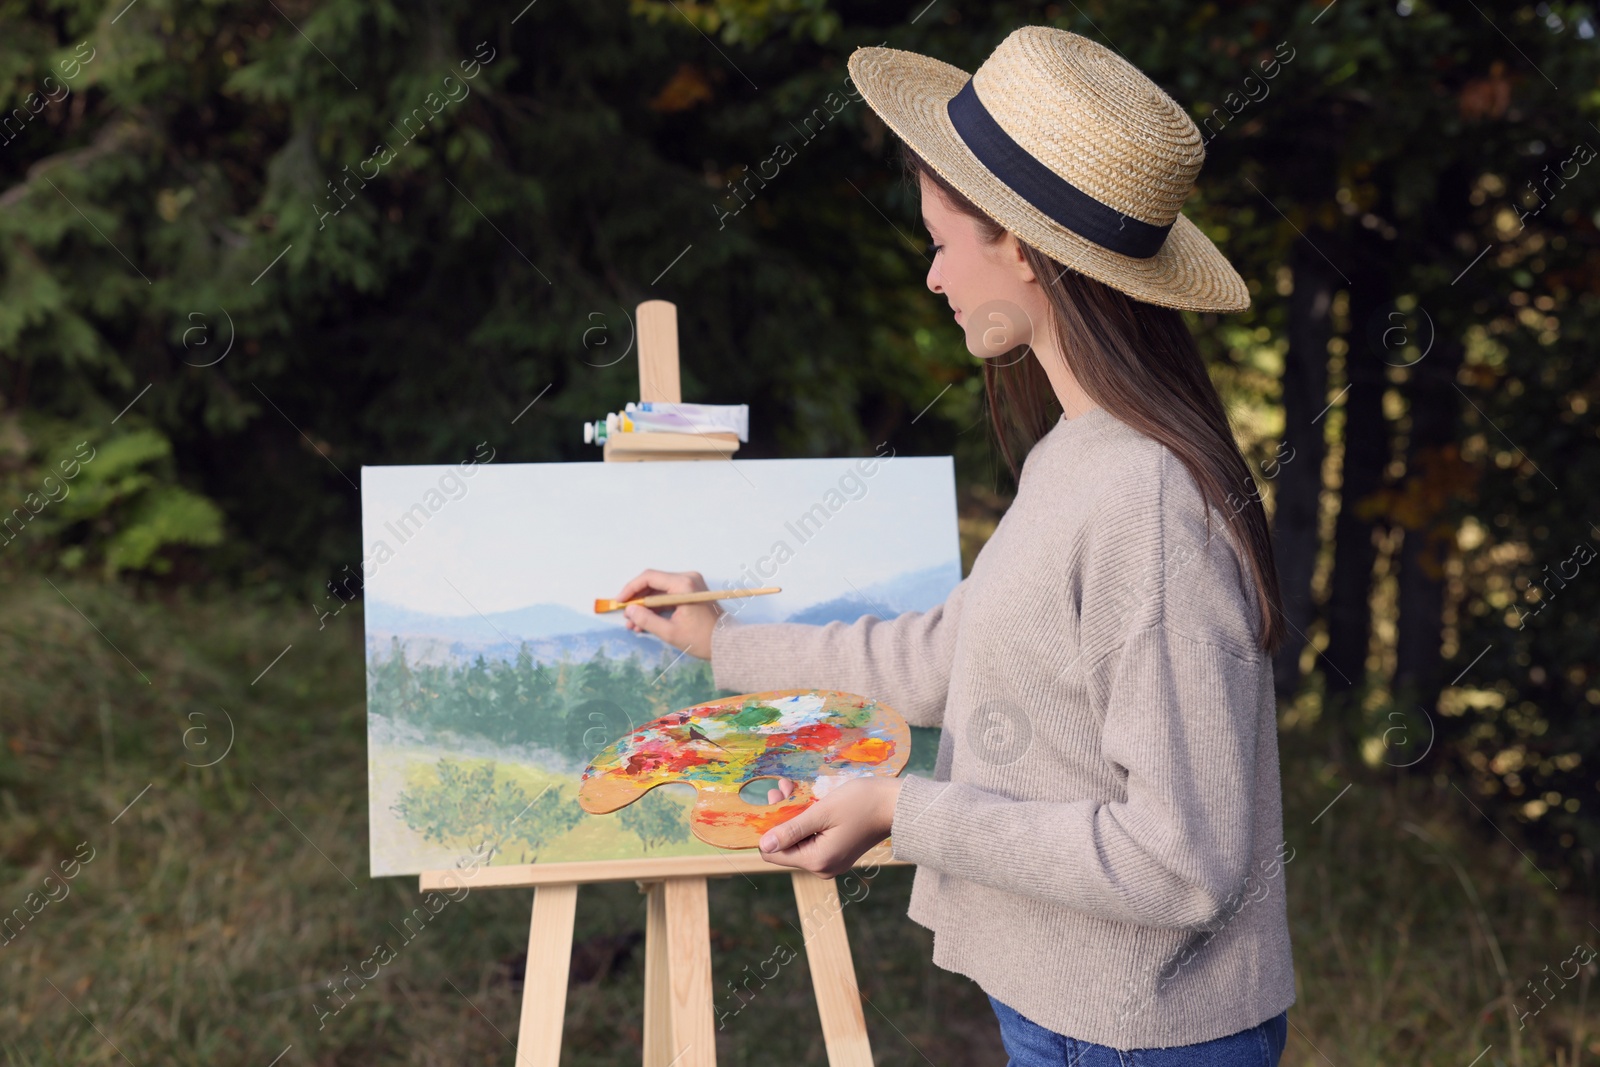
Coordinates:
[679,1027]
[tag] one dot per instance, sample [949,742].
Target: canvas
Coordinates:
[491,682]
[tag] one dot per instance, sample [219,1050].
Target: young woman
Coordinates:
[1100,847]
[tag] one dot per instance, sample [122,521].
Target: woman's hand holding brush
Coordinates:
[686,627]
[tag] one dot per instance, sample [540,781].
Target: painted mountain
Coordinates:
[554,632]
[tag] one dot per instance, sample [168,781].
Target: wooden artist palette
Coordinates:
[814,737]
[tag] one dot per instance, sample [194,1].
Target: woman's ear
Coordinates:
[1015,258]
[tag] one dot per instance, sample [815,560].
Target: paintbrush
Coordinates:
[664,600]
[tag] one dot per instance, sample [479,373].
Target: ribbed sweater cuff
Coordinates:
[913,832]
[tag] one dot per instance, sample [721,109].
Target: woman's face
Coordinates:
[991,288]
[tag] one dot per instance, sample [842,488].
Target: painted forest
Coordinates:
[575,709]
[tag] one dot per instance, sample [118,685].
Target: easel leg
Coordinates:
[544,985]
[678,1030]
[833,974]
[657,982]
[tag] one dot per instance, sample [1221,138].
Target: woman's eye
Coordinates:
[933,250]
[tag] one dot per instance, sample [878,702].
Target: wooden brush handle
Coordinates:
[663,600]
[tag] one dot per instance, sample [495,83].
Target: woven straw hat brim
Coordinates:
[910,93]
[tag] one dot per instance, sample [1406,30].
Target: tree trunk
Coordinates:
[1435,416]
[1366,453]
[1299,486]
[1433,466]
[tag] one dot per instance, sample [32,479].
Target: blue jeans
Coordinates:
[1030,1045]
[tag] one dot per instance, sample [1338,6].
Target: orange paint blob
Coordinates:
[867,750]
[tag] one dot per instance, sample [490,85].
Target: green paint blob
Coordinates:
[848,717]
[756,715]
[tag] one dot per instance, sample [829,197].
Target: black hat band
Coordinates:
[1046,190]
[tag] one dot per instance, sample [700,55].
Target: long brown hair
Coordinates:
[1140,362]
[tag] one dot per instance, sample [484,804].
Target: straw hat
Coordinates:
[1070,147]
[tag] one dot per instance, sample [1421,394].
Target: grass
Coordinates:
[221,902]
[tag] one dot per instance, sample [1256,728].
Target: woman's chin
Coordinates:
[983,355]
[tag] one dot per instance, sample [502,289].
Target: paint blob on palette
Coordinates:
[815,737]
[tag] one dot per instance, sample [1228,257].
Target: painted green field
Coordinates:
[595,837]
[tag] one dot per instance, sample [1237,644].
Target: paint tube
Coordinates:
[657,417]
[597,432]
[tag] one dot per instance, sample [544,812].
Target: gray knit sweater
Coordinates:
[1101,844]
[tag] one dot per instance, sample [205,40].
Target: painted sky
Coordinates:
[514,534]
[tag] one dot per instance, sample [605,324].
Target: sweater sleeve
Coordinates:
[1181,727]
[904,661]
[1171,673]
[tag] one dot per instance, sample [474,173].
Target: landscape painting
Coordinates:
[491,681]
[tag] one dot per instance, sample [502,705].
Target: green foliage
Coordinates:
[112,500]
[655,818]
[467,807]
[123,492]
[748,22]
